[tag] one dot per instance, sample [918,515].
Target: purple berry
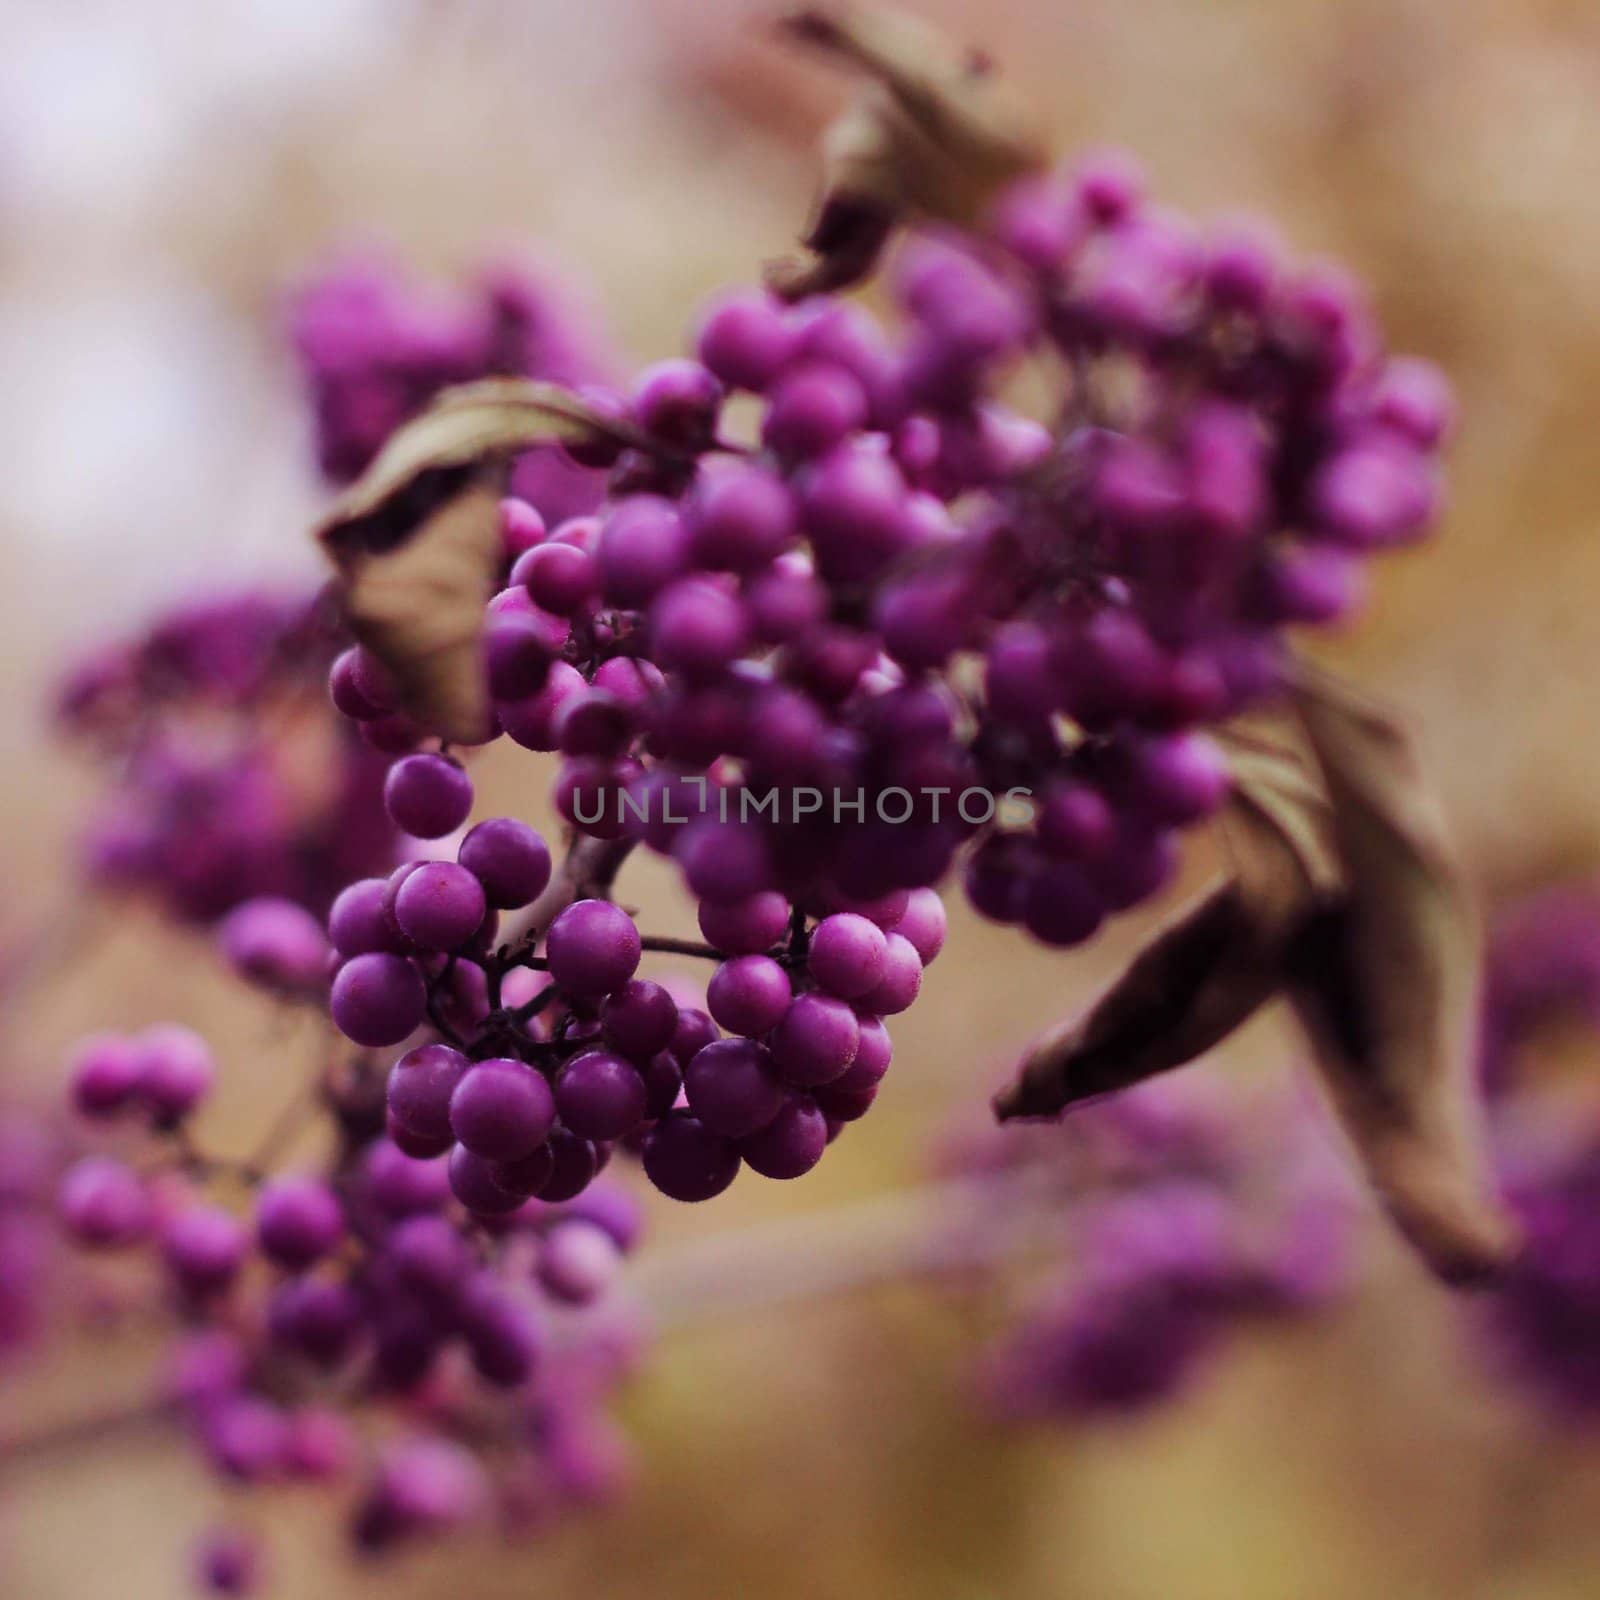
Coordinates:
[924,923]
[749,995]
[377,999]
[733,1088]
[600,1095]
[298,1221]
[357,925]
[501,1109]
[741,519]
[816,1040]
[440,906]
[276,943]
[509,859]
[578,1262]
[677,402]
[745,927]
[747,340]
[428,796]
[103,1203]
[592,948]
[643,546]
[901,982]
[790,1145]
[847,954]
[204,1248]
[472,1181]
[517,650]
[574,1163]
[176,1070]
[686,1161]
[639,1019]
[104,1075]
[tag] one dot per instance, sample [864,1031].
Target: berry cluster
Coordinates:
[359,1292]
[222,780]
[905,619]
[1179,1220]
[549,1048]
[374,349]
[1543,1323]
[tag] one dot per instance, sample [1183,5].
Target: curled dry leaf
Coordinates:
[1385,982]
[1346,897]
[1199,978]
[935,134]
[416,543]
[1205,973]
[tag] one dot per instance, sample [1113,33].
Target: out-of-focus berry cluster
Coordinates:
[1174,1215]
[222,779]
[1543,1320]
[351,1325]
[375,348]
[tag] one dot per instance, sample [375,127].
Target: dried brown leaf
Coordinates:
[936,134]
[416,540]
[1201,977]
[1213,966]
[465,427]
[1385,982]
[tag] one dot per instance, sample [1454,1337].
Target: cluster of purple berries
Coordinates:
[1181,1220]
[904,620]
[374,349]
[221,779]
[364,1287]
[1543,1320]
[550,1049]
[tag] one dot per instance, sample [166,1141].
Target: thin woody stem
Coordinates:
[680,947]
[41,1443]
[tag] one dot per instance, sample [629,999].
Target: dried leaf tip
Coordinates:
[936,133]
[1386,986]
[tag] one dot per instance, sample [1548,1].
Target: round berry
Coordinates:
[686,1161]
[600,1095]
[639,1019]
[816,1040]
[749,995]
[847,954]
[501,1109]
[592,948]
[791,1144]
[733,1088]
[378,999]
[428,796]
[298,1221]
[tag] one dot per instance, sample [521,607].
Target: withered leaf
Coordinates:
[1385,982]
[1205,973]
[415,539]
[936,134]
[1198,979]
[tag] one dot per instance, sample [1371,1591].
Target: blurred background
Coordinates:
[168,171]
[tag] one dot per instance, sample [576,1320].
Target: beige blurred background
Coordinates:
[165,168]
